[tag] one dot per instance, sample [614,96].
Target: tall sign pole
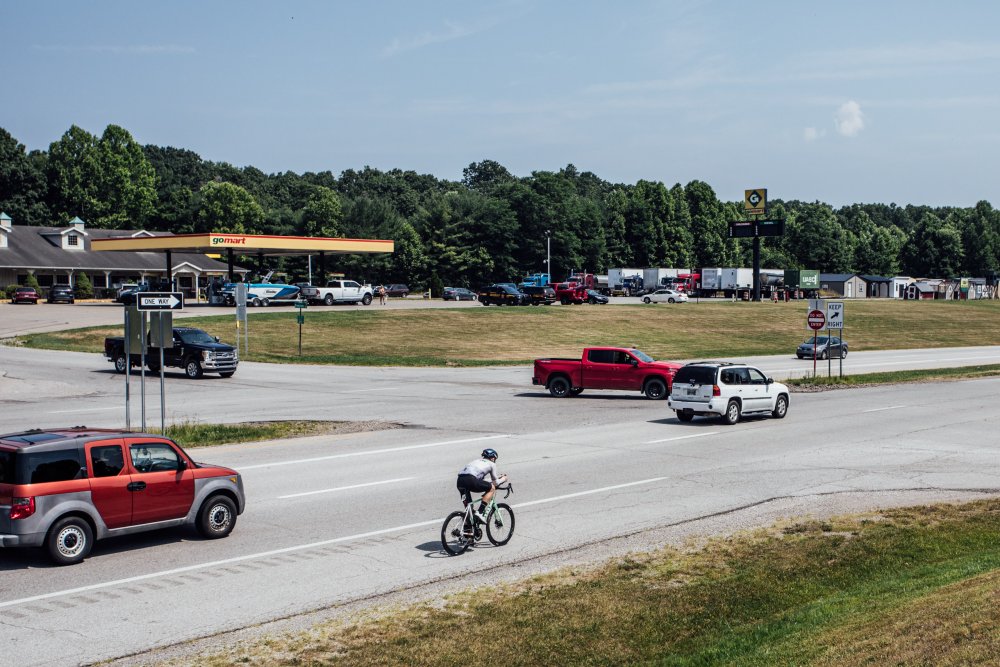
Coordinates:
[755,207]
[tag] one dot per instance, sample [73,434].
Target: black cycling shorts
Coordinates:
[471,483]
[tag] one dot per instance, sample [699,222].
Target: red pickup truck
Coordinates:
[567,293]
[606,368]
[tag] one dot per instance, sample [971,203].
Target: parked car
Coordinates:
[826,346]
[127,293]
[539,296]
[502,295]
[726,390]
[458,294]
[593,296]
[24,295]
[665,296]
[397,290]
[68,487]
[606,368]
[62,293]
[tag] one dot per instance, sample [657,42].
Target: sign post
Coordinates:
[816,321]
[301,305]
[835,320]
[161,306]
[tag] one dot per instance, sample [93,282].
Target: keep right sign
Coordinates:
[834,314]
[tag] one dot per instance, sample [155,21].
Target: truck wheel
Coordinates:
[559,387]
[732,414]
[645,299]
[121,363]
[255,302]
[366,299]
[484,301]
[328,300]
[153,367]
[69,541]
[193,369]
[655,389]
[217,517]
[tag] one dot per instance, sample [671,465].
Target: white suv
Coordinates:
[728,390]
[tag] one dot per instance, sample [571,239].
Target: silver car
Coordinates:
[826,346]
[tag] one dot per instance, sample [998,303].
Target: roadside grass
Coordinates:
[914,586]
[191,434]
[895,377]
[508,335]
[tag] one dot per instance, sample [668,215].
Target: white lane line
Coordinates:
[358,391]
[299,547]
[891,407]
[65,412]
[370,452]
[345,488]
[681,437]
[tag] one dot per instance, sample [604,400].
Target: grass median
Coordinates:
[515,335]
[191,434]
[915,586]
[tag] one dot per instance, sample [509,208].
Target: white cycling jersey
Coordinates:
[480,468]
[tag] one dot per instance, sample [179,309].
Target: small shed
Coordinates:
[878,287]
[847,285]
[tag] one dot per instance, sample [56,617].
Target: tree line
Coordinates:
[490,226]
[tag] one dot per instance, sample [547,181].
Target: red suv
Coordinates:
[63,489]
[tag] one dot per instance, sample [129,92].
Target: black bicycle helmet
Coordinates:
[490,454]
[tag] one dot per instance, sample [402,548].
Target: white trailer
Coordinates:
[616,277]
[711,281]
[657,278]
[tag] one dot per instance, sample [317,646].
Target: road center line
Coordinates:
[66,412]
[370,452]
[358,391]
[681,437]
[891,407]
[345,488]
[299,547]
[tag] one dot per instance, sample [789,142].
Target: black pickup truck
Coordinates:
[194,351]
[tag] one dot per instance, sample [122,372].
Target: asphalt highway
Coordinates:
[340,520]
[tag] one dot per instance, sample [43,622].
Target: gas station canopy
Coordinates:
[234,245]
[244,244]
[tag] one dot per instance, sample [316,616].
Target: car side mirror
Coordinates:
[216,338]
[633,361]
[768,380]
[181,465]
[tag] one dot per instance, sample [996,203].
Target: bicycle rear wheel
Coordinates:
[455,536]
[500,524]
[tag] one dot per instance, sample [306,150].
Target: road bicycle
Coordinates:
[462,529]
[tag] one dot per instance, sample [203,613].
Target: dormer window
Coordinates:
[73,240]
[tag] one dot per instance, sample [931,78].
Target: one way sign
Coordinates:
[834,314]
[160,301]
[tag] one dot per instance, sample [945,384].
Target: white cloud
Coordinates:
[812,134]
[451,32]
[850,119]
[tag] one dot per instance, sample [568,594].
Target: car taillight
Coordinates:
[716,391]
[22,508]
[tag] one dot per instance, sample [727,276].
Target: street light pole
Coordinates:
[548,253]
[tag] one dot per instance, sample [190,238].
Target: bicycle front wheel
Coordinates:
[456,536]
[500,524]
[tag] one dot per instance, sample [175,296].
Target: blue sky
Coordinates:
[875,101]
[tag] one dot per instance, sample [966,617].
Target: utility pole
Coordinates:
[548,253]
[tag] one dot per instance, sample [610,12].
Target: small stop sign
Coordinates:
[816,319]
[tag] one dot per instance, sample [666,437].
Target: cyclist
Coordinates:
[472,479]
